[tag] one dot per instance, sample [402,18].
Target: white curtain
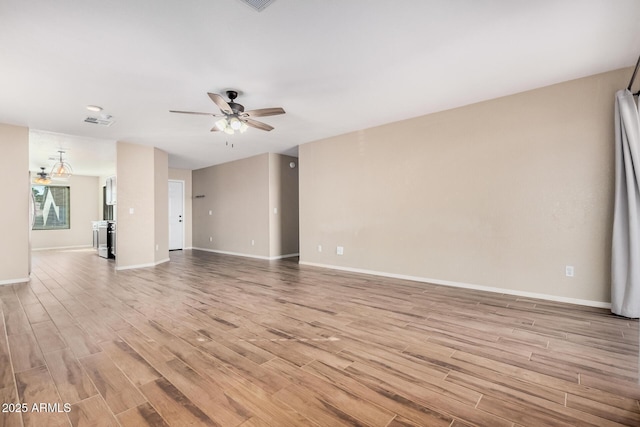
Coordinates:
[625,252]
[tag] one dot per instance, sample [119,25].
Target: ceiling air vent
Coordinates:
[102,121]
[258,5]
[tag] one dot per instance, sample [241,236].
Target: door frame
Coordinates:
[182,183]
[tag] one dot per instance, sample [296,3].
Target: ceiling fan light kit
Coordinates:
[234,117]
[231,125]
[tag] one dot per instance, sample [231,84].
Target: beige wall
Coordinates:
[161,189]
[254,199]
[84,208]
[283,205]
[500,194]
[138,227]
[237,194]
[185,175]
[14,215]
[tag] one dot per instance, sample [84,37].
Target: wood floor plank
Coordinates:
[79,341]
[581,365]
[92,412]
[25,352]
[255,422]
[234,361]
[464,347]
[240,345]
[397,363]
[6,368]
[211,339]
[174,406]
[618,415]
[96,328]
[263,340]
[36,387]
[416,387]
[152,352]
[314,407]
[116,389]
[519,414]
[72,381]
[141,416]
[10,417]
[134,366]
[551,414]
[15,319]
[264,408]
[402,422]
[25,294]
[361,408]
[111,319]
[205,393]
[619,388]
[500,372]
[36,313]
[48,336]
[200,390]
[378,394]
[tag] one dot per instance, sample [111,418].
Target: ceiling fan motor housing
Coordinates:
[235,107]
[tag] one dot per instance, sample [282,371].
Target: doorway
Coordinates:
[176,215]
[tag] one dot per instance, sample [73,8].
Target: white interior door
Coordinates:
[176,215]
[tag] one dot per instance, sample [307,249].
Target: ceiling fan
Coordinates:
[234,118]
[42,177]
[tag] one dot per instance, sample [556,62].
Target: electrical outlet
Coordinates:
[210,239]
[319,248]
[568,270]
[253,242]
[340,250]
[210,212]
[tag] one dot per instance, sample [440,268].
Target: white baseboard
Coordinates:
[13,281]
[57,248]
[246,255]
[151,264]
[589,303]
[285,256]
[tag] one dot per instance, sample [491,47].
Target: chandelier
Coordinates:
[61,170]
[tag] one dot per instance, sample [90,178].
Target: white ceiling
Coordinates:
[335,66]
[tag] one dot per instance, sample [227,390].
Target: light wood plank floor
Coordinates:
[216,340]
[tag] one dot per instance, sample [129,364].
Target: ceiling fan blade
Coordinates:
[258,125]
[261,112]
[193,112]
[220,102]
[215,129]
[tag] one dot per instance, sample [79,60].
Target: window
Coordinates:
[51,207]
